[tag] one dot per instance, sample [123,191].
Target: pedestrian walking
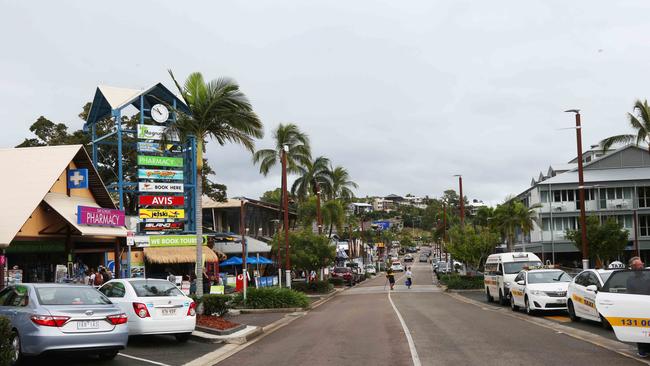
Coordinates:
[637,284]
[390,275]
[409,277]
[171,278]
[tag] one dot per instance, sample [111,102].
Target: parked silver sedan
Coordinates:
[58,317]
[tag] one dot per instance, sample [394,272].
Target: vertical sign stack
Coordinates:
[161,198]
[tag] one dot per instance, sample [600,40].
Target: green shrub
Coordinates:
[216,304]
[367,275]
[5,341]
[456,282]
[271,298]
[337,281]
[314,287]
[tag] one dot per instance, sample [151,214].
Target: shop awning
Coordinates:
[67,207]
[178,255]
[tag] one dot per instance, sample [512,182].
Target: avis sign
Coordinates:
[160,187]
[161,200]
[162,226]
[97,216]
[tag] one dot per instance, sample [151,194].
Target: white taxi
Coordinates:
[581,298]
[624,301]
[539,289]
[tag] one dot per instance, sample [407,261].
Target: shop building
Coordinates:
[42,228]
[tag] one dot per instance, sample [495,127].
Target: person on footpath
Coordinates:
[409,277]
[638,284]
[390,275]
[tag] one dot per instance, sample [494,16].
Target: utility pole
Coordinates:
[461,201]
[244,254]
[285,203]
[581,187]
[319,218]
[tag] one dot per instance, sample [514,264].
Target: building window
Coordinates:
[546,224]
[557,196]
[644,225]
[644,196]
[544,196]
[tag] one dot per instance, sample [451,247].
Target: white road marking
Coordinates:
[143,360]
[414,352]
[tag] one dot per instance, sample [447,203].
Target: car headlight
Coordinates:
[536,292]
[507,284]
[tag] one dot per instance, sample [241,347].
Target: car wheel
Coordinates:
[182,337]
[502,299]
[16,353]
[604,322]
[572,312]
[529,311]
[107,356]
[488,297]
[513,307]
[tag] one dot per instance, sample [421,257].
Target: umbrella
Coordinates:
[234,261]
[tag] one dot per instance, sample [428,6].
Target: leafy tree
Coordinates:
[341,184]
[312,176]
[472,245]
[511,215]
[640,121]
[274,196]
[220,111]
[307,212]
[333,215]
[606,240]
[308,250]
[483,216]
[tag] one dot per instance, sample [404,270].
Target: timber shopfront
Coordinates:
[59,219]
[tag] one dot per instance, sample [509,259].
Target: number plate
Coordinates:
[88,324]
[560,301]
[168,312]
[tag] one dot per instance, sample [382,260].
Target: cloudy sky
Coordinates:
[404,94]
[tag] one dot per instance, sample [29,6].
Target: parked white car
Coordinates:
[624,301]
[370,269]
[397,267]
[153,306]
[581,302]
[539,289]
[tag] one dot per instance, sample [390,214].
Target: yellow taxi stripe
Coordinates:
[517,293]
[559,318]
[617,321]
[583,301]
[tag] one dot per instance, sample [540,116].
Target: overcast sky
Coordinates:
[404,94]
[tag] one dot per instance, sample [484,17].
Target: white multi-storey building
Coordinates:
[617,184]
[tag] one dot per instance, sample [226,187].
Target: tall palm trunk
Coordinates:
[198,219]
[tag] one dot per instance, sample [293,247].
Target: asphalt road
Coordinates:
[361,327]
[144,350]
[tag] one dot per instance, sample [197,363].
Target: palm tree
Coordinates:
[333,215]
[526,217]
[313,176]
[512,215]
[218,110]
[640,121]
[341,183]
[299,153]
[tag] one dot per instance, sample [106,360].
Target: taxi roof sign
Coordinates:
[616,265]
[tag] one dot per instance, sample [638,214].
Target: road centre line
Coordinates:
[407,333]
[143,360]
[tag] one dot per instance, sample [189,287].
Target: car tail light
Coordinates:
[141,310]
[192,310]
[117,319]
[50,321]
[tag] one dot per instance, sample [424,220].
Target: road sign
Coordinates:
[161,187]
[77,178]
[130,236]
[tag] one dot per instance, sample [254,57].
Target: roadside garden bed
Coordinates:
[217,325]
[457,282]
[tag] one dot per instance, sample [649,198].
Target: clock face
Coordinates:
[159,113]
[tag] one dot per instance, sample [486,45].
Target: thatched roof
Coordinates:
[179,255]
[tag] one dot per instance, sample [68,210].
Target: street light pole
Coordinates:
[461,200]
[285,204]
[581,186]
[319,218]
[242,231]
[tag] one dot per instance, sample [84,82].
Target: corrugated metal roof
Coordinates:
[601,175]
[208,202]
[234,247]
[67,207]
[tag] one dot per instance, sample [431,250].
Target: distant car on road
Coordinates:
[154,306]
[59,317]
[344,273]
[442,268]
[370,268]
[539,290]
[424,258]
[408,258]
[581,302]
[396,266]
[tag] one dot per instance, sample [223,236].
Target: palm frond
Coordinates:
[618,139]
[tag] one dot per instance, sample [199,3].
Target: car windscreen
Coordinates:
[548,277]
[516,267]
[146,288]
[70,295]
[605,276]
[341,270]
[628,282]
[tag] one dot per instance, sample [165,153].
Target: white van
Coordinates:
[501,270]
